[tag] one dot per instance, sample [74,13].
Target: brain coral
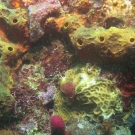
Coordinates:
[97,98]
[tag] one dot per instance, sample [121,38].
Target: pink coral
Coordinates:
[57,125]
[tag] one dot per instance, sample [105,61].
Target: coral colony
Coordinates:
[67,67]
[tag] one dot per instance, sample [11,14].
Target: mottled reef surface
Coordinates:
[67,67]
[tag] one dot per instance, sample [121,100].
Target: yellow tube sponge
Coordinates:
[15,18]
[10,53]
[68,23]
[105,43]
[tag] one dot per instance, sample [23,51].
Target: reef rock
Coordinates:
[38,13]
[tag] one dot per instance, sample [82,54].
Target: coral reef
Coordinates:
[30,75]
[72,3]
[13,3]
[24,98]
[5,77]
[28,2]
[45,87]
[116,8]
[125,82]
[99,99]
[34,84]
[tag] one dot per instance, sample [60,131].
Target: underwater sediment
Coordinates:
[67,67]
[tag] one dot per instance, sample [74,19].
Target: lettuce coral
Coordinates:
[99,99]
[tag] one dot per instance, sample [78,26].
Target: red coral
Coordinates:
[128,90]
[125,81]
[57,125]
[69,89]
[126,84]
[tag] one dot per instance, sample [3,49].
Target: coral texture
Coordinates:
[44,45]
[99,99]
[55,60]
[83,6]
